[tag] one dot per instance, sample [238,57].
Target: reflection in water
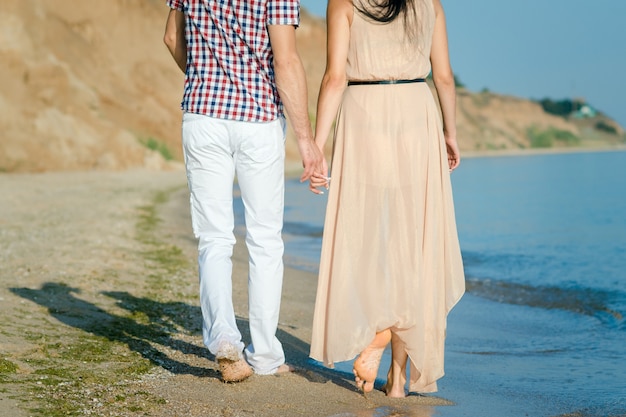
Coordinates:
[388,411]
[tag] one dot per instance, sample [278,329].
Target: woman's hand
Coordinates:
[454,156]
[319,179]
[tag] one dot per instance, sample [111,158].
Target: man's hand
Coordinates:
[313,161]
[319,177]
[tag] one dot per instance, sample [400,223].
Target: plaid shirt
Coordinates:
[230,71]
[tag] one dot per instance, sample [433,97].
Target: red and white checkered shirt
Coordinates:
[230,71]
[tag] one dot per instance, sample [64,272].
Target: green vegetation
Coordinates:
[550,137]
[560,107]
[158,146]
[458,83]
[603,126]
[481,100]
[457,80]
[89,368]
[164,259]
[7,367]
[493,147]
[78,375]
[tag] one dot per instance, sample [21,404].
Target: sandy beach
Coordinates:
[100,315]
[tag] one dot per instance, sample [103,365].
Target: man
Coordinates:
[241,67]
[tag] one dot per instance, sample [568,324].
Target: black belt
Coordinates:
[374,82]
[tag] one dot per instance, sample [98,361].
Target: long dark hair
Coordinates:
[385,11]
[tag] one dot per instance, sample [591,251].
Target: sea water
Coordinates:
[541,330]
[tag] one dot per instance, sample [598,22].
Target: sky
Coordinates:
[538,49]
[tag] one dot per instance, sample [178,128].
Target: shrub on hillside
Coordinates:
[560,107]
[603,126]
[551,136]
[457,82]
[160,147]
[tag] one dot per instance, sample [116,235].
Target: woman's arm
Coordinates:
[444,83]
[339,15]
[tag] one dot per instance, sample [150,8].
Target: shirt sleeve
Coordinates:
[283,12]
[176,4]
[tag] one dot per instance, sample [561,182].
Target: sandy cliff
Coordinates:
[89,85]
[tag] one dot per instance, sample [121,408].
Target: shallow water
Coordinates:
[541,331]
[544,244]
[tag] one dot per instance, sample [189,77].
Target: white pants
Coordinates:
[215,150]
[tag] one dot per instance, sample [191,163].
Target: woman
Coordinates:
[391,267]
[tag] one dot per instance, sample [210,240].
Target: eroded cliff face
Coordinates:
[83,83]
[90,85]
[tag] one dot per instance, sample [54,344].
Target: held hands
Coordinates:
[315,167]
[320,179]
[317,174]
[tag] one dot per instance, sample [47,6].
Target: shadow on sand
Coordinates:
[152,325]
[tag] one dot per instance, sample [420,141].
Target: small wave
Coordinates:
[587,301]
[302,229]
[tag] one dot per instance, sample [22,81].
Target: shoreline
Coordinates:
[542,151]
[293,168]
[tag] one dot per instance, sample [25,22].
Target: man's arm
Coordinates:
[174,38]
[292,88]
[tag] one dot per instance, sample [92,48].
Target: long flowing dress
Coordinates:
[390,253]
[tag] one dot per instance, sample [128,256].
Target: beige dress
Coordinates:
[390,253]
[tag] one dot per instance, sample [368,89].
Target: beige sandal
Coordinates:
[233,366]
[234,371]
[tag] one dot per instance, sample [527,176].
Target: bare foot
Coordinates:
[366,365]
[284,369]
[394,388]
[396,377]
